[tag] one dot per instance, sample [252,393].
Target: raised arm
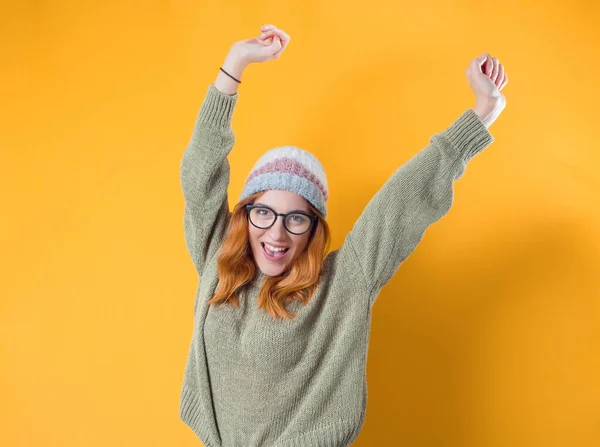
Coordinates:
[418,194]
[204,173]
[421,191]
[204,168]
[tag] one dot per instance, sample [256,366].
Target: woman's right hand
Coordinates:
[268,46]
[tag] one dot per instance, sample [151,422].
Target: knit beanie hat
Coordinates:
[292,169]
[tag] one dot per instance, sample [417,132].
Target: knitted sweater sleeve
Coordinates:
[418,193]
[204,172]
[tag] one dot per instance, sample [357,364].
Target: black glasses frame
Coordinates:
[312,218]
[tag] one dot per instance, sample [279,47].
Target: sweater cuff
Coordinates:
[469,135]
[217,108]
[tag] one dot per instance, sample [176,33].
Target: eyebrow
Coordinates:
[291,211]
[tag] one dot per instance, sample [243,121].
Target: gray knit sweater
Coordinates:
[252,380]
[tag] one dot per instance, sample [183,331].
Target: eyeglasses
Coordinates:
[295,222]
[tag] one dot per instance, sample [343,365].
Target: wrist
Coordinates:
[234,63]
[235,66]
[487,111]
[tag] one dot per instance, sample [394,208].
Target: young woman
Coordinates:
[281,327]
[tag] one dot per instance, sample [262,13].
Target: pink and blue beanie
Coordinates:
[292,169]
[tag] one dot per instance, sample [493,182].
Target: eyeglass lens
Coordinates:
[264,218]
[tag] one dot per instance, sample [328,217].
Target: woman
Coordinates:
[279,350]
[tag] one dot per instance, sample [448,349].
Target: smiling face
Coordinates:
[279,201]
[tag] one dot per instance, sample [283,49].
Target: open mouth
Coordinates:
[273,255]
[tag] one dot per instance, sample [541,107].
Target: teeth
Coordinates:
[270,247]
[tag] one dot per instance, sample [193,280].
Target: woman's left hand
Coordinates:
[487,77]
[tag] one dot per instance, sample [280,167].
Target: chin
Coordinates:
[270,270]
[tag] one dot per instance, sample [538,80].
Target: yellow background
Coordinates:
[488,335]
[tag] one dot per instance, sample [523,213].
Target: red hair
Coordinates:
[236,266]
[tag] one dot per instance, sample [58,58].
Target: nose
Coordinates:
[277,230]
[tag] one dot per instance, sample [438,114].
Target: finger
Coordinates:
[486,67]
[264,42]
[504,81]
[494,75]
[500,76]
[266,34]
[276,44]
[283,36]
[489,66]
[276,48]
[478,64]
[278,53]
[266,27]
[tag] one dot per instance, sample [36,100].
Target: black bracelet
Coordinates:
[236,80]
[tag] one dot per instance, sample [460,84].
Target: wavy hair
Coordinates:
[236,266]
